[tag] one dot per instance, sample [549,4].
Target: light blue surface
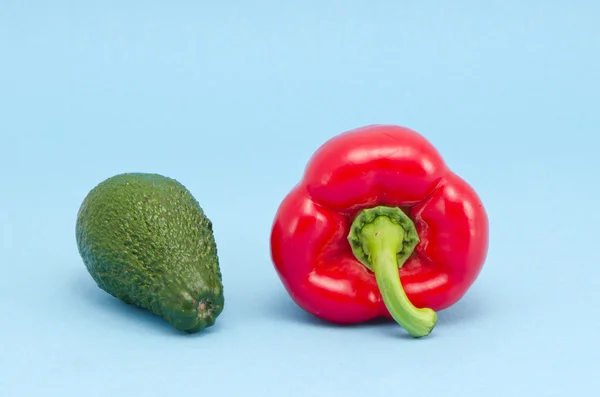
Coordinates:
[232,100]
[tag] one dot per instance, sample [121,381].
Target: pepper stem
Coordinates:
[382,238]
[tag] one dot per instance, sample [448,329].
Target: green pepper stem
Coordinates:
[383,238]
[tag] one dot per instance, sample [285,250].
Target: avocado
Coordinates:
[145,240]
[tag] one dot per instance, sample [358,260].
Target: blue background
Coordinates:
[232,99]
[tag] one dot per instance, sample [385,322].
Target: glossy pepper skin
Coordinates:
[378,165]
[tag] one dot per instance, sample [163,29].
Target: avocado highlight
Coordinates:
[145,240]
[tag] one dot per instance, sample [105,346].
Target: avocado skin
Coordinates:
[145,240]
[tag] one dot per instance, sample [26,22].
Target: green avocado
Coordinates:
[145,240]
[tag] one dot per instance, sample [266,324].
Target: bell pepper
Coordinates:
[379,226]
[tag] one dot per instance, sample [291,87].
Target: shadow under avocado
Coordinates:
[84,288]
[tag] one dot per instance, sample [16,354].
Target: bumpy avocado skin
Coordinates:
[145,240]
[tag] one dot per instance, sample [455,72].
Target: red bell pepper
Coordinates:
[379,227]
